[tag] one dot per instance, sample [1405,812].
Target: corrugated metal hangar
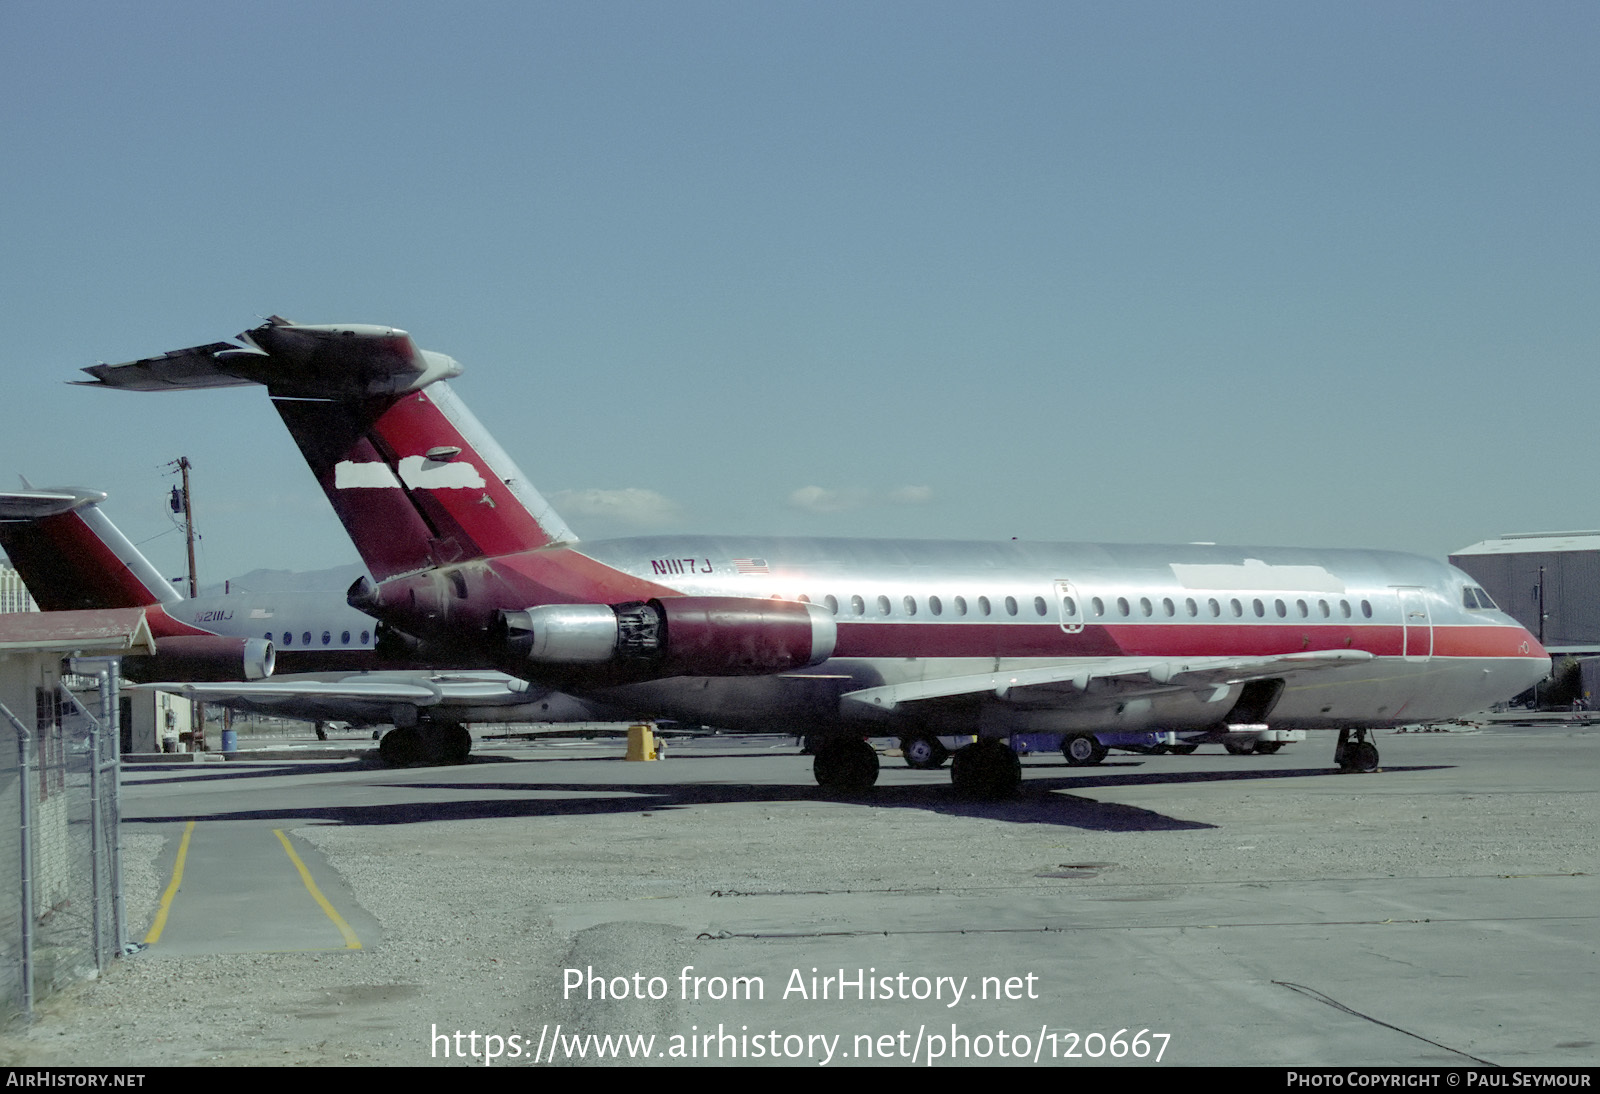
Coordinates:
[1556,574]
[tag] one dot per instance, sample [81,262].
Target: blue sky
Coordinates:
[1318,274]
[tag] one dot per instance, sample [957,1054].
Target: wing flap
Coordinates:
[1062,682]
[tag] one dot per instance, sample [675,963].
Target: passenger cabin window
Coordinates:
[1344,608]
[883,605]
[344,638]
[1366,609]
[1281,608]
[1216,609]
[983,605]
[934,605]
[1098,605]
[1191,607]
[1122,606]
[1039,607]
[1011,605]
[1322,606]
[327,638]
[1238,608]
[961,605]
[1144,605]
[1167,606]
[832,603]
[288,639]
[911,605]
[858,605]
[1069,607]
[365,637]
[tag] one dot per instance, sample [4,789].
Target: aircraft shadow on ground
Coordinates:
[1038,801]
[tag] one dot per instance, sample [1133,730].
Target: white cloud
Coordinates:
[819,499]
[630,505]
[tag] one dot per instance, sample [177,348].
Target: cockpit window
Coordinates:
[1476,599]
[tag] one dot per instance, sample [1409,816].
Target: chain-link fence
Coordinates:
[60,878]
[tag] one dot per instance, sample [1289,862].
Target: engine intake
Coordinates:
[676,636]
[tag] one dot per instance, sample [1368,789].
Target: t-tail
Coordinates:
[72,558]
[414,477]
[70,555]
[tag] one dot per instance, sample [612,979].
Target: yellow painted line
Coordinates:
[172,889]
[351,942]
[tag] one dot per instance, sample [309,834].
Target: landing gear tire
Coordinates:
[1357,754]
[452,743]
[1362,756]
[924,753]
[986,769]
[400,747]
[1240,748]
[1182,750]
[845,764]
[1267,748]
[447,744]
[1083,749]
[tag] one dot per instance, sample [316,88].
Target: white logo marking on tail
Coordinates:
[418,472]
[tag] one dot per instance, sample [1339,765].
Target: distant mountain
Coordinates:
[337,579]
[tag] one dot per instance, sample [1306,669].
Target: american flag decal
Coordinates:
[751,566]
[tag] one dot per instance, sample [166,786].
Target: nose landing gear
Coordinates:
[1354,753]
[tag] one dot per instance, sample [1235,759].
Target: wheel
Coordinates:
[1239,748]
[1182,750]
[1363,756]
[451,743]
[986,769]
[924,753]
[400,747]
[1083,749]
[845,764]
[1267,748]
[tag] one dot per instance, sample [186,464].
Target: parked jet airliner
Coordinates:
[842,637]
[70,555]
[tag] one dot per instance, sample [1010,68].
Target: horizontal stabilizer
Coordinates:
[38,504]
[324,361]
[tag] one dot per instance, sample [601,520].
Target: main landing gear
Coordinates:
[425,744]
[984,769]
[1354,752]
[845,763]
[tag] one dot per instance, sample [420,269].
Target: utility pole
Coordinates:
[181,502]
[184,503]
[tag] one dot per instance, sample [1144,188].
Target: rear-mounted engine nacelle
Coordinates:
[676,636]
[205,657]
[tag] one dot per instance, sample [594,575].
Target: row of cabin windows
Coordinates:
[327,638]
[958,606]
[858,606]
[1216,608]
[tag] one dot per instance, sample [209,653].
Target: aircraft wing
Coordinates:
[288,690]
[333,361]
[1054,684]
